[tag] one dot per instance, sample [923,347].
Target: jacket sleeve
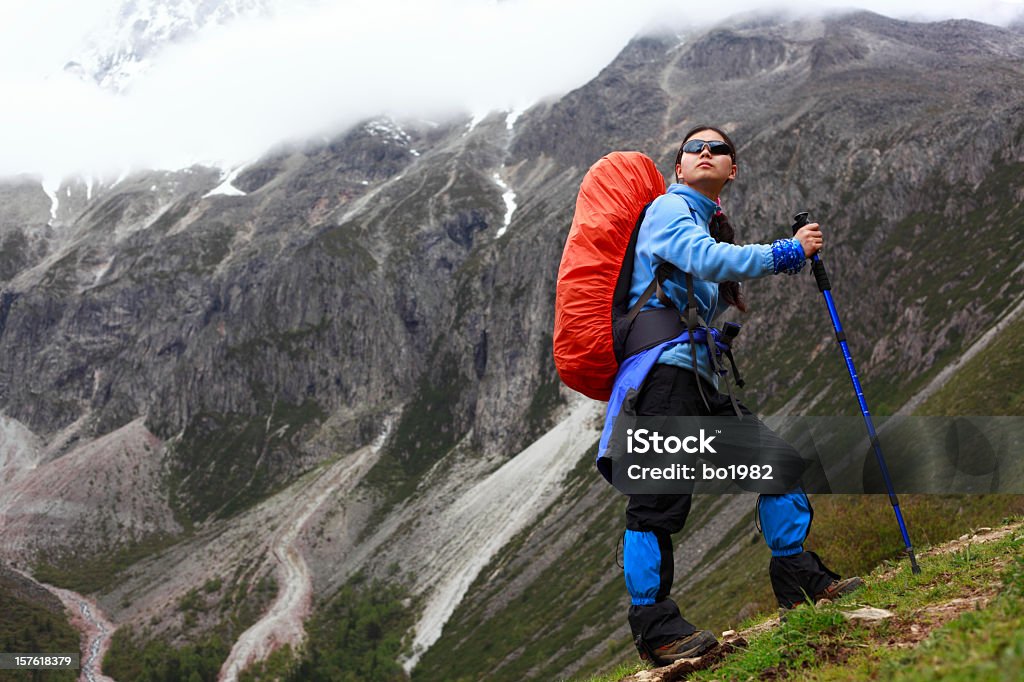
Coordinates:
[680,241]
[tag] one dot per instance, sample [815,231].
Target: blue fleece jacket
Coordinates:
[675,230]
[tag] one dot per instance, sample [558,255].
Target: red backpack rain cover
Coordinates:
[612,195]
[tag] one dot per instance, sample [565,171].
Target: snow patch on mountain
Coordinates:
[476,120]
[225,188]
[389,129]
[509,197]
[51,186]
[513,116]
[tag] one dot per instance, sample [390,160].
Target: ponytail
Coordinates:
[722,231]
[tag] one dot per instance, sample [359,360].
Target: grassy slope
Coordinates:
[927,639]
[989,384]
[821,644]
[852,533]
[861,530]
[27,626]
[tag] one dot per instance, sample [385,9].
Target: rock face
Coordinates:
[196,353]
[103,492]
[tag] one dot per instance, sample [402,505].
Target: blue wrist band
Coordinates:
[787,256]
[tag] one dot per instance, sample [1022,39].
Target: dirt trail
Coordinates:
[283,622]
[976,537]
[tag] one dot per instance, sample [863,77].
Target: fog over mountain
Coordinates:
[155,84]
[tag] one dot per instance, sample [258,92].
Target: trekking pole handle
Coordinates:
[799,220]
[817,266]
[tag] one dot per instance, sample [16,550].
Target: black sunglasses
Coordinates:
[716,147]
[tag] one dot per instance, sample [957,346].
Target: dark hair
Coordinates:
[719,226]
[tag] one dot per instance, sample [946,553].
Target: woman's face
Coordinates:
[703,170]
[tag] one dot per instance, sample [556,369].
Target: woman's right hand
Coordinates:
[810,238]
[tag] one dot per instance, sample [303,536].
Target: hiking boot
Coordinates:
[838,588]
[697,644]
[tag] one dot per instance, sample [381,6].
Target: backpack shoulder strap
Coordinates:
[654,287]
[692,320]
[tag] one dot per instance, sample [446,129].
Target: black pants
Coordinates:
[651,520]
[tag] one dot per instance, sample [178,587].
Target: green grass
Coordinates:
[852,534]
[225,463]
[571,607]
[29,627]
[809,636]
[855,533]
[819,643]
[143,655]
[136,657]
[617,673]
[985,645]
[355,637]
[991,383]
[99,572]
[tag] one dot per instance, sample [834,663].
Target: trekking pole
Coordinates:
[821,277]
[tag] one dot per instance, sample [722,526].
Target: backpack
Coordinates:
[592,318]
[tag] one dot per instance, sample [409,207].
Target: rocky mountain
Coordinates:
[228,399]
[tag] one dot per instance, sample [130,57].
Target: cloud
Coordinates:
[233,91]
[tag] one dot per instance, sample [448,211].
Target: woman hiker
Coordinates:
[686,229]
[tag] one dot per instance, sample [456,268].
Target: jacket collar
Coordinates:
[701,205]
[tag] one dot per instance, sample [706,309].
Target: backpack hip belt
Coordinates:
[648,328]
